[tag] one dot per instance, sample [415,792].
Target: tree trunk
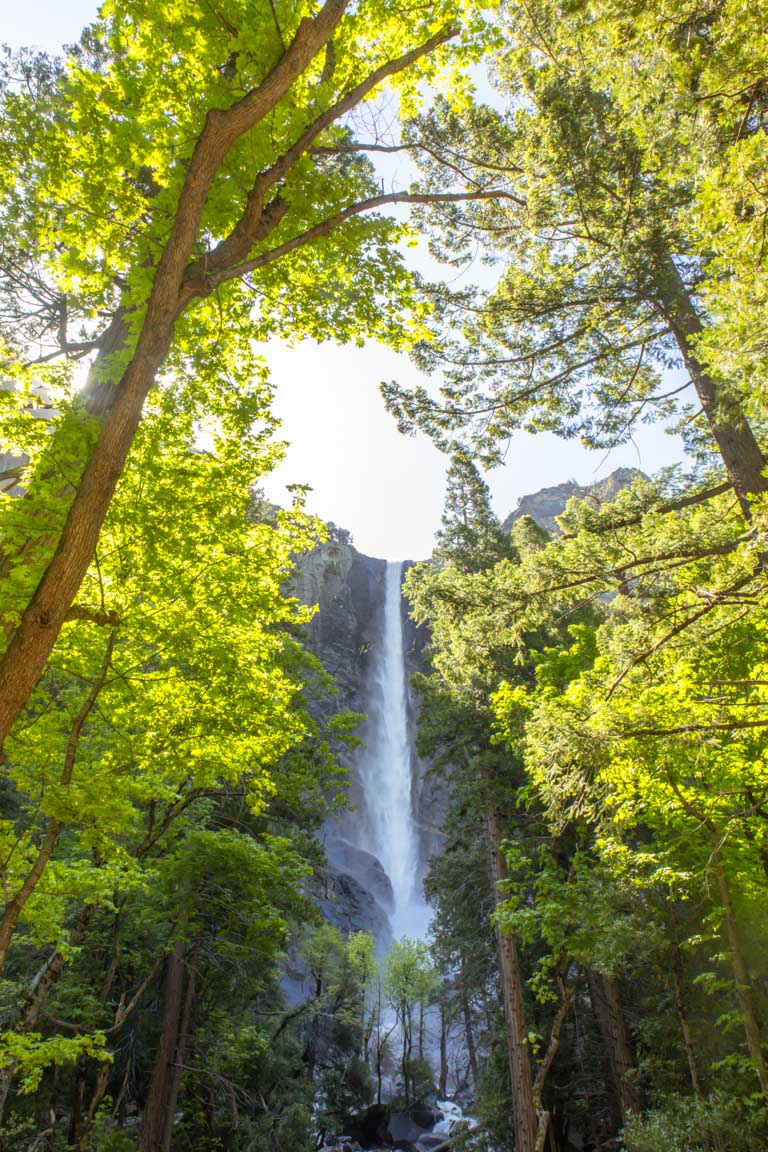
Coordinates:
[406,1060]
[379,1044]
[744,462]
[544,1117]
[469,1036]
[525,1125]
[157,1125]
[78,1096]
[442,1087]
[690,1052]
[740,970]
[32,642]
[607,1006]
[177,1070]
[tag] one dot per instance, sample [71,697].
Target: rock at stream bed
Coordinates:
[409,1126]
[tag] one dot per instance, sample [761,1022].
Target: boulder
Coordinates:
[369,1127]
[410,1125]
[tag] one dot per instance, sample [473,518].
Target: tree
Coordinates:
[177,681]
[180,161]
[410,983]
[470,537]
[455,725]
[608,275]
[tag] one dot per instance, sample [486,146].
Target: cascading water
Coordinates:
[386,770]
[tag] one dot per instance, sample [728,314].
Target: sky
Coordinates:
[385,488]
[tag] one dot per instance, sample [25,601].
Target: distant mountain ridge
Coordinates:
[543,506]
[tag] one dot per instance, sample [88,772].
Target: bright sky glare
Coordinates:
[385,488]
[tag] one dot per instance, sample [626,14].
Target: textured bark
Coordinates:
[740,970]
[525,1125]
[744,461]
[177,1070]
[157,1123]
[609,1012]
[177,281]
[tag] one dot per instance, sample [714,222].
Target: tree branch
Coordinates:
[93,615]
[327,226]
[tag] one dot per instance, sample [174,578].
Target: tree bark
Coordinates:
[744,461]
[524,1119]
[32,642]
[740,970]
[609,1012]
[177,281]
[157,1124]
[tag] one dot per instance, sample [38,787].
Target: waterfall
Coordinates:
[386,769]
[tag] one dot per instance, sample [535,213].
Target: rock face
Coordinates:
[354,891]
[543,506]
[348,589]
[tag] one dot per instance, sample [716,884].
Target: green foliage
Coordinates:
[629,139]
[718,1123]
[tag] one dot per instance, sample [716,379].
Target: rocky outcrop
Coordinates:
[348,588]
[543,506]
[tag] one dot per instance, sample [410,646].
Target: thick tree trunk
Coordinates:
[32,642]
[177,1070]
[157,1124]
[740,970]
[744,462]
[607,1006]
[525,1125]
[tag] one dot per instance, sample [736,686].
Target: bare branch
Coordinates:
[93,615]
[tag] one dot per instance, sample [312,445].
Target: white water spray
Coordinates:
[386,769]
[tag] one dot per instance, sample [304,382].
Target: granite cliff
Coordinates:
[354,891]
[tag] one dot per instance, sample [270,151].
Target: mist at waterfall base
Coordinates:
[386,771]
